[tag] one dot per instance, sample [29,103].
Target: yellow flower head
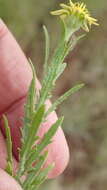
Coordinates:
[78,12]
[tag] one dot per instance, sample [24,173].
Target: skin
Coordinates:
[15,77]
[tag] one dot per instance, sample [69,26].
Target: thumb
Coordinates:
[7,182]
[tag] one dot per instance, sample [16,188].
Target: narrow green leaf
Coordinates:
[47,46]
[27,146]
[32,173]
[60,70]
[41,177]
[51,132]
[9,167]
[49,79]
[44,142]
[31,98]
[63,98]
[30,105]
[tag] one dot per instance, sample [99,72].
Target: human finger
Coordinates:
[7,182]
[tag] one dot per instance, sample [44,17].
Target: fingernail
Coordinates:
[3,28]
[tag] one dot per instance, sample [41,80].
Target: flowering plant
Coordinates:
[73,16]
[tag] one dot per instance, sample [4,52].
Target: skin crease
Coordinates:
[15,77]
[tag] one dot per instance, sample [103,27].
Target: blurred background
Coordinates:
[85,112]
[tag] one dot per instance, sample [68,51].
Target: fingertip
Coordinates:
[58,154]
[7,182]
